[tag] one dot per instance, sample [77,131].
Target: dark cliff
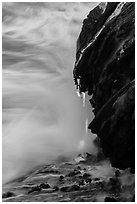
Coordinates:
[105,69]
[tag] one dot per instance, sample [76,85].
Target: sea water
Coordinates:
[43,117]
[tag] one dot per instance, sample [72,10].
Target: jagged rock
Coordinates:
[117,173]
[114,185]
[44,185]
[73,173]
[89,189]
[64,189]
[88,180]
[39,187]
[74,188]
[105,69]
[34,189]
[55,188]
[61,177]
[96,179]
[93,23]
[86,175]
[70,188]
[8,194]
[81,182]
[78,167]
[45,171]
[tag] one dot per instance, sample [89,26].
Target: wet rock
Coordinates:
[56,188]
[117,173]
[88,180]
[105,69]
[45,171]
[81,182]
[7,194]
[74,188]
[88,155]
[44,186]
[86,175]
[114,185]
[49,190]
[100,184]
[39,187]
[110,199]
[93,23]
[70,188]
[61,177]
[96,179]
[64,189]
[78,167]
[34,189]
[73,173]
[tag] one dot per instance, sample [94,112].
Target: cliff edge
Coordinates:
[105,69]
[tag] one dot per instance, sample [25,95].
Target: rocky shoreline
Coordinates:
[105,70]
[71,181]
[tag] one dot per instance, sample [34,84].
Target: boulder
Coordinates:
[8,194]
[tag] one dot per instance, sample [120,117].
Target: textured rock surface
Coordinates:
[105,69]
[71,181]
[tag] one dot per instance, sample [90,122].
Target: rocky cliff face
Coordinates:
[105,69]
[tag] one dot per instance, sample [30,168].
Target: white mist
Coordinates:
[43,118]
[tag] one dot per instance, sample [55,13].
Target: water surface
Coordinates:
[43,118]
